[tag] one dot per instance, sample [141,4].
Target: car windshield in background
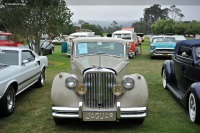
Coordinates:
[107,48]
[3,37]
[166,39]
[9,57]
[123,36]
[198,52]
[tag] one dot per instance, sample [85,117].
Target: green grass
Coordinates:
[165,115]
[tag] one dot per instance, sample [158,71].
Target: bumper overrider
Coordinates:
[97,114]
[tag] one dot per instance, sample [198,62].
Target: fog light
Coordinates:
[117,90]
[81,89]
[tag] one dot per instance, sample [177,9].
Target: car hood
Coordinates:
[164,45]
[7,71]
[100,61]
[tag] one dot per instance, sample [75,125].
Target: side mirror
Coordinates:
[24,62]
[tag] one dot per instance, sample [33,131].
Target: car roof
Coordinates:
[5,33]
[82,34]
[13,48]
[186,43]
[99,39]
[123,31]
[161,36]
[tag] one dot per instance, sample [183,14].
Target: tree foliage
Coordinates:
[37,17]
[175,13]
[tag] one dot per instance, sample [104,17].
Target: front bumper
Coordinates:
[99,115]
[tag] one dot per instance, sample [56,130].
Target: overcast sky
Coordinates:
[127,9]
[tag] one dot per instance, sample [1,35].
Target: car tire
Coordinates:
[7,103]
[59,121]
[194,109]
[164,78]
[52,51]
[41,79]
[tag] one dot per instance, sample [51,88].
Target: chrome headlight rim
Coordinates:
[128,82]
[71,81]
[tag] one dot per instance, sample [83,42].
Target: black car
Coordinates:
[181,75]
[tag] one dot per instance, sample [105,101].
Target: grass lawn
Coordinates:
[165,115]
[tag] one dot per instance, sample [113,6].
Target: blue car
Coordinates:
[162,46]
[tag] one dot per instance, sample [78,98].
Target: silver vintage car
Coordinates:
[19,69]
[99,87]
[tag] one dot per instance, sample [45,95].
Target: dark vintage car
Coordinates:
[181,76]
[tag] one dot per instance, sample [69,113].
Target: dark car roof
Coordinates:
[186,43]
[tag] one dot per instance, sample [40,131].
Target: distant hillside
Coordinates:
[108,23]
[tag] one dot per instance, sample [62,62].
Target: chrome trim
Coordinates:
[67,112]
[122,113]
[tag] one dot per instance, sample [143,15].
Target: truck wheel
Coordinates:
[164,79]
[194,111]
[7,103]
[41,79]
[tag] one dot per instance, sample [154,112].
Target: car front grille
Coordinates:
[164,51]
[99,83]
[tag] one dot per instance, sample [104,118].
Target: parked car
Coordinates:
[130,37]
[99,87]
[179,38]
[162,46]
[5,40]
[181,76]
[19,69]
[79,33]
[46,47]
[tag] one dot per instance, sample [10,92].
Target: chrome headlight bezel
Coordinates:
[128,82]
[71,81]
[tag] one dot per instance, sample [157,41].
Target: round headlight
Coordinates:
[128,83]
[71,81]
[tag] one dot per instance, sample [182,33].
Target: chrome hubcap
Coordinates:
[10,100]
[164,79]
[192,107]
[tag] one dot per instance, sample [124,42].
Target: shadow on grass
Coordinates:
[77,125]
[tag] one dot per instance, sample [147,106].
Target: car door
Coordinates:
[30,69]
[182,63]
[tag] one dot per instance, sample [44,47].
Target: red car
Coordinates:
[130,37]
[5,40]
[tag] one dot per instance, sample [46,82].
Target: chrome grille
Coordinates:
[164,51]
[99,83]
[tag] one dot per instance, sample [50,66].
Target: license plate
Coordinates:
[99,116]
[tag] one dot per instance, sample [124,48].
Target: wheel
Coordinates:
[59,121]
[194,111]
[164,79]
[7,103]
[52,51]
[152,57]
[41,79]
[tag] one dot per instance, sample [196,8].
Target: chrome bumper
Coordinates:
[121,113]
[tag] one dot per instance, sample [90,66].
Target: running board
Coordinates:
[176,91]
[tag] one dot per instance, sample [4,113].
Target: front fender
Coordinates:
[136,97]
[195,89]
[168,65]
[61,95]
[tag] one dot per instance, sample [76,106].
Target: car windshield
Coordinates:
[123,36]
[92,48]
[198,52]
[9,57]
[163,39]
[3,37]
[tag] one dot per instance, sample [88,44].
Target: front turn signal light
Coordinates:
[81,89]
[117,90]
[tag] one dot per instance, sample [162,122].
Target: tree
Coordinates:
[92,27]
[193,28]
[36,18]
[180,28]
[152,14]
[163,26]
[140,27]
[175,13]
